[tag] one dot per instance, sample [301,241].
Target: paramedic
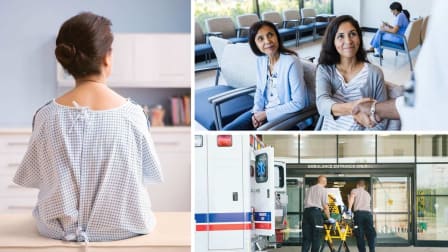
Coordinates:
[360,199]
[316,200]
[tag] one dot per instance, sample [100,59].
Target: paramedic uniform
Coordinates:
[363,220]
[312,225]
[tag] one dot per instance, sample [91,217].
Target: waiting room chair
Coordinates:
[424,27]
[275,18]
[309,16]
[225,28]
[244,22]
[234,62]
[291,19]
[411,39]
[201,45]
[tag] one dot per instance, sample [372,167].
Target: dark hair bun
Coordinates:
[65,53]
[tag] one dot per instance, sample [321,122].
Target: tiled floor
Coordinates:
[395,68]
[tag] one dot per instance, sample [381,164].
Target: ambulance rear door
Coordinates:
[263,191]
[227,156]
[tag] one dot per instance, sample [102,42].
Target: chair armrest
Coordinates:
[240,29]
[216,34]
[309,58]
[225,96]
[296,22]
[210,34]
[288,121]
[218,99]
[205,69]
[313,19]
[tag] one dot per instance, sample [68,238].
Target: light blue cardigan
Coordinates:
[291,87]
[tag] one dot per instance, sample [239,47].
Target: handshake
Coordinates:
[363,112]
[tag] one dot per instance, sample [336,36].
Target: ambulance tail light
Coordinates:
[224,141]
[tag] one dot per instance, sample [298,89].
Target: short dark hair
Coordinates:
[253,32]
[396,6]
[328,53]
[82,43]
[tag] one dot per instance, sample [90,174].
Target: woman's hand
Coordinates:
[361,113]
[258,118]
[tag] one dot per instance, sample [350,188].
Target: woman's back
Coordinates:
[89,166]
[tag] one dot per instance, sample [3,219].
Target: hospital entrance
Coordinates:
[391,191]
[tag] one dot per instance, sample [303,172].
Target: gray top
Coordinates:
[316,196]
[361,200]
[91,168]
[328,83]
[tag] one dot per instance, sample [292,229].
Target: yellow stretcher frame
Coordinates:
[341,230]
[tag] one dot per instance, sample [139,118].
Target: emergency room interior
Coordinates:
[406,175]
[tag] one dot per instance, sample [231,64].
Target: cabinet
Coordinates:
[150,68]
[14,198]
[172,146]
[146,60]
[173,149]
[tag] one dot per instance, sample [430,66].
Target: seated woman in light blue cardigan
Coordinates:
[344,77]
[280,87]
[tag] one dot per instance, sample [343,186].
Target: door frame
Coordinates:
[365,170]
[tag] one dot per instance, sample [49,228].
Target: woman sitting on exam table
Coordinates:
[345,77]
[280,85]
[90,152]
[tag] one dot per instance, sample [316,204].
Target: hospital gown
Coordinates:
[91,168]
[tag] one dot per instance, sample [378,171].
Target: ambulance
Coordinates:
[240,194]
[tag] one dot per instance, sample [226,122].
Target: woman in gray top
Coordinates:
[345,77]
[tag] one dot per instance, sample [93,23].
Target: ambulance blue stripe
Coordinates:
[222,217]
[262,216]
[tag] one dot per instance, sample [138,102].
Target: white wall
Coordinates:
[350,7]
[370,13]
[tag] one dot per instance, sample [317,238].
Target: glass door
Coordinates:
[295,210]
[391,209]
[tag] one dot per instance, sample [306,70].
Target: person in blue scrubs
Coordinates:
[398,27]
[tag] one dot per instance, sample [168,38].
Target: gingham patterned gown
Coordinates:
[91,168]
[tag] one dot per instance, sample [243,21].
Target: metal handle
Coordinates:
[235,196]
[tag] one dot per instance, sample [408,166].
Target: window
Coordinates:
[432,148]
[318,149]
[277,5]
[356,148]
[395,149]
[204,9]
[321,6]
[432,202]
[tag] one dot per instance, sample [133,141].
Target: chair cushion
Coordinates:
[320,25]
[229,110]
[389,44]
[201,49]
[307,27]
